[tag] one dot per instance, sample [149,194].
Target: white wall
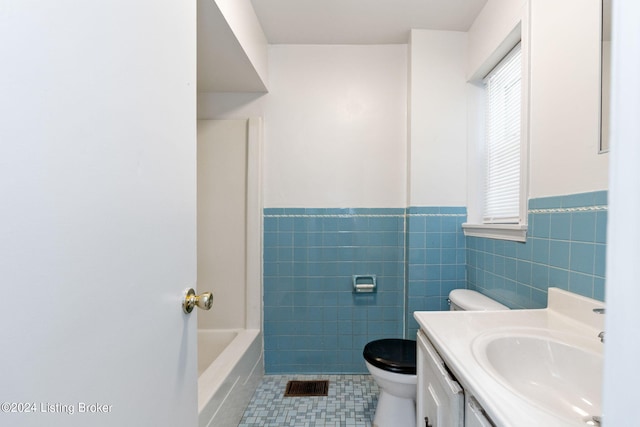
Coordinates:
[229,33]
[564,93]
[336,116]
[231,105]
[487,33]
[438,113]
[244,23]
[335,125]
[565,98]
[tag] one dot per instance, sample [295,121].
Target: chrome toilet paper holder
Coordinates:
[364,283]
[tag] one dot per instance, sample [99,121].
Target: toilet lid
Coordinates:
[392,354]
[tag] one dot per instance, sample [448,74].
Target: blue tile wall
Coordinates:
[565,248]
[313,322]
[436,259]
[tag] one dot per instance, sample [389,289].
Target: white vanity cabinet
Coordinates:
[469,343]
[441,401]
[474,414]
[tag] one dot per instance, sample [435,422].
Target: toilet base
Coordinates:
[393,411]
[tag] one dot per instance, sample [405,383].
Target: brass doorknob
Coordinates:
[204,300]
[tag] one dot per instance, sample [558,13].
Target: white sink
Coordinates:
[561,374]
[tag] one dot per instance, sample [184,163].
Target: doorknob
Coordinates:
[204,300]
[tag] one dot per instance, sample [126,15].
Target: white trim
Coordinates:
[335,215]
[475,203]
[525,136]
[346,215]
[622,350]
[513,232]
[436,214]
[254,231]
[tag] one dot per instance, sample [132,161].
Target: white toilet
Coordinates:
[468,300]
[392,364]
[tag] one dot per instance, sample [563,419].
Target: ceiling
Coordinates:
[360,21]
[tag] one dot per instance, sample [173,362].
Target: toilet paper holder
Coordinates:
[364,283]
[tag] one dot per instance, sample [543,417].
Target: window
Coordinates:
[498,152]
[503,91]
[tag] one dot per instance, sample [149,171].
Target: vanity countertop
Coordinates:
[453,334]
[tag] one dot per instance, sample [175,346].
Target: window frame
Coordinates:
[499,143]
[475,225]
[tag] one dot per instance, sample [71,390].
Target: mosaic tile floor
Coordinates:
[351,402]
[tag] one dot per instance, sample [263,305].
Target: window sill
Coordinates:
[513,232]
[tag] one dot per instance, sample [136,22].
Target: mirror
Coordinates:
[605,80]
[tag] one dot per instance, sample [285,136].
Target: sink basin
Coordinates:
[560,374]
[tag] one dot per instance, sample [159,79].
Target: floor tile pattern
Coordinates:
[351,402]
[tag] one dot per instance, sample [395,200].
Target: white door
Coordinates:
[97,213]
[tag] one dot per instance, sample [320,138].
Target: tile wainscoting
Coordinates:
[436,259]
[314,323]
[565,248]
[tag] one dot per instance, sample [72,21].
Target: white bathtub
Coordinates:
[230,368]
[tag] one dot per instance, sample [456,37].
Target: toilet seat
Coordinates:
[392,355]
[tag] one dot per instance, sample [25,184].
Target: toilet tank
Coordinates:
[466,299]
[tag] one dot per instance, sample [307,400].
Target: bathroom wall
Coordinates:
[565,88]
[435,259]
[335,192]
[565,99]
[437,117]
[566,239]
[435,244]
[349,191]
[565,248]
[336,126]
[313,320]
[335,183]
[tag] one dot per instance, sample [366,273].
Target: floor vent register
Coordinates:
[307,388]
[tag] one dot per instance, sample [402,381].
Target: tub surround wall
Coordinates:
[565,248]
[229,211]
[222,217]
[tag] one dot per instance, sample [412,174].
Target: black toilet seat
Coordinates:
[392,354]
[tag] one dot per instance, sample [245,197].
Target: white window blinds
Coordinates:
[503,97]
